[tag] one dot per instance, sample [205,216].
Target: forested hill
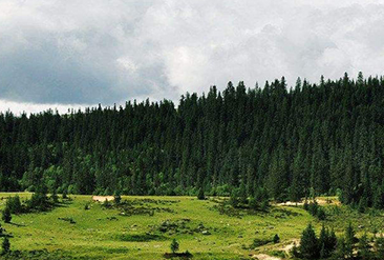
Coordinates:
[313,139]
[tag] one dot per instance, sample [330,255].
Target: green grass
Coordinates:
[105,234]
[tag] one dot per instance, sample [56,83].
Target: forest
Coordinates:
[324,138]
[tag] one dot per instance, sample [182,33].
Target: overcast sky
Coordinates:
[73,53]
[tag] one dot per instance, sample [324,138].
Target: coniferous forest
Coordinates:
[287,142]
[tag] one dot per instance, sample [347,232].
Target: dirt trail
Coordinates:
[286,248]
[318,200]
[103,198]
[265,257]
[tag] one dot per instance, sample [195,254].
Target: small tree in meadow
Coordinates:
[65,196]
[14,205]
[7,217]
[309,243]
[174,246]
[117,197]
[201,195]
[54,197]
[276,239]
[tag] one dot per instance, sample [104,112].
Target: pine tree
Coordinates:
[6,246]
[200,195]
[363,248]
[174,246]
[350,241]
[341,249]
[7,217]
[309,243]
[276,239]
[379,245]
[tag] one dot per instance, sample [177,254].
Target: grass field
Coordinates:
[99,233]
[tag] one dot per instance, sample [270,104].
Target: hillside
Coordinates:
[313,139]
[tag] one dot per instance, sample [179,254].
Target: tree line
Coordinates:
[307,140]
[344,247]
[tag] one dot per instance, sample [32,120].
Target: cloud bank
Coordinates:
[89,52]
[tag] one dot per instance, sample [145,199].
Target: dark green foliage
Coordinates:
[315,209]
[309,245]
[174,246]
[350,241]
[39,200]
[46,255]
[276,239]
[379,246]
[327,242]
[2,230]
[364,248]
[341,249]
[7,216]
[54,197]
[14,205]
[320,214]
[257,242]
[200,195]
[6,246]
[234,199]
[117,197]
[291,143]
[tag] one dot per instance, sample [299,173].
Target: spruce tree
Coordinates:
[200,195]
[309,243]
[174,246]
[6,246]
[363,248]
[350,241]
[341,249]
[7,216]
[379,246]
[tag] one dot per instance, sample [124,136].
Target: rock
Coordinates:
[206,233]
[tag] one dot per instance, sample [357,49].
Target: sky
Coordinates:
[78,53]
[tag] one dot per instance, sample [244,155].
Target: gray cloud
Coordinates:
[87,52]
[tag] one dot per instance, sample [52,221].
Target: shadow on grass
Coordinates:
[186,255]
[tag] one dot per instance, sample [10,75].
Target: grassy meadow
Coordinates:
[99,233]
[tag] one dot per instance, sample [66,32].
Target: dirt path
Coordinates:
[320,201]
[265,257]
[286,248]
